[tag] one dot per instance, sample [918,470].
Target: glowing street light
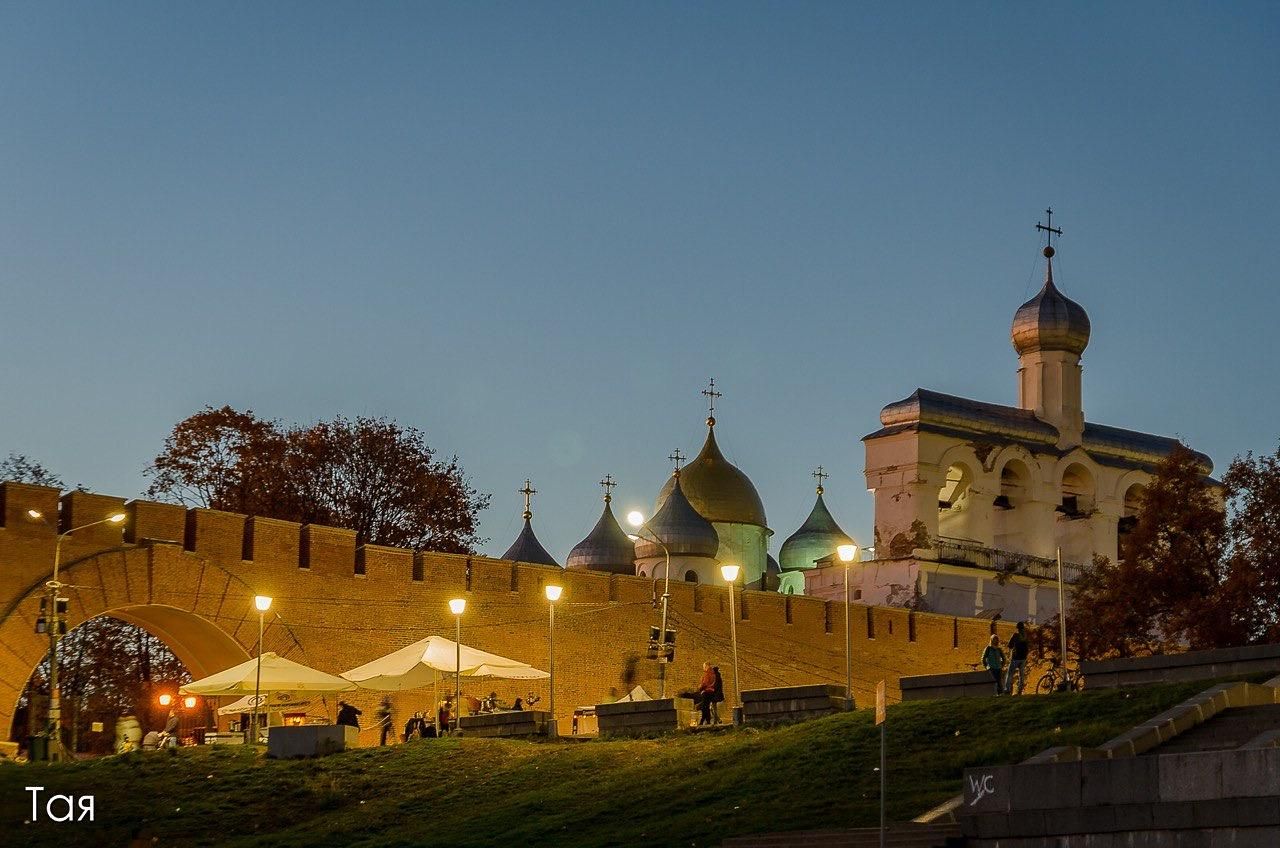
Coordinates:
[730,574]
[553,594]
[636,519]
[847,554]
[165,699]
[262,603]
[54,729]
[189,702]
[457,606]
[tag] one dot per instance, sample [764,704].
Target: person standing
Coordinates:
[1018,648]
[348,715]
[385,723]
[706,691]
[993,661]
[170,734]
[717,695]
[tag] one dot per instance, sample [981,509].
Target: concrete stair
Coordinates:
[1226,731]
[899,835]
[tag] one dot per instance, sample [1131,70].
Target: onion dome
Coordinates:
[1050,320]
[717,488]
[679,526]
[526,547]
[607,547]
[818,537]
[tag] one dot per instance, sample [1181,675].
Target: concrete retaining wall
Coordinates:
[637,718]
[1193,665]
[963,684]
[791,703]
[522,723]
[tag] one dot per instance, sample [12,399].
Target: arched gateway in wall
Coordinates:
[189,577]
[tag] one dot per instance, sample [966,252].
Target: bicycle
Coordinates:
[1059,679]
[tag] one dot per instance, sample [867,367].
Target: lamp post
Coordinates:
[53,730]
[847,554]
[263,603]
[730,575]
[457,606]
[636,519]
[553,595]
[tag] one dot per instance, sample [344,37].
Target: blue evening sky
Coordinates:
[534,230]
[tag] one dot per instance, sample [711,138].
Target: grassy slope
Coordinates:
[477,792]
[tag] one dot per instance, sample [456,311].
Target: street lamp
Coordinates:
[263,603]
[165,699]
[457,606]
[730,575]
[636,519]
[553,594]
[54,728]
[189,702]
[847,554]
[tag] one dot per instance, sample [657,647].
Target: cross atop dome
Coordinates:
[711,394]
[820,475]
[528,491]
[607,484]
[1050,231]
[677,457]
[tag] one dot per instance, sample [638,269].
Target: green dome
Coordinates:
[818,537]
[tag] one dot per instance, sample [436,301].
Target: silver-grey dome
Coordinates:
[680,527]
[527,548]
[606,548]
[1050,321]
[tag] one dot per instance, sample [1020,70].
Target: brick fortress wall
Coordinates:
[190,575]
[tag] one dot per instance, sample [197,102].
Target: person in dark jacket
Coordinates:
[717,695]
[385,721]
[1018,649]
[415,728]
[348,715]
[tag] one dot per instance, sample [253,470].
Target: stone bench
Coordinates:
[310,740]
[637,718]
[515,723]
[791,703]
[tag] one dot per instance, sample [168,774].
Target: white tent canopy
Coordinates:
[434,659]
[273,702]
[278,674]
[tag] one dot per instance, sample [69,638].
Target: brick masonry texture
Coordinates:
[189,576]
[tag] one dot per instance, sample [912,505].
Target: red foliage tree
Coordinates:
[368,474]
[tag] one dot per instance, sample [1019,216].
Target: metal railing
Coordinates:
[964,552]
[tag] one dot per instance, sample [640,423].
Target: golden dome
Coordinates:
[717,488]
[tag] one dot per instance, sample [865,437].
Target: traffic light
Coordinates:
[42,620]
[665,652]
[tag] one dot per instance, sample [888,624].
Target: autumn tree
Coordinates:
[1168,589]
[1253,545]
[368,474]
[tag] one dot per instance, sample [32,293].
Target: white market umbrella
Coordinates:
[278,674]
[434,659]
[274,702]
